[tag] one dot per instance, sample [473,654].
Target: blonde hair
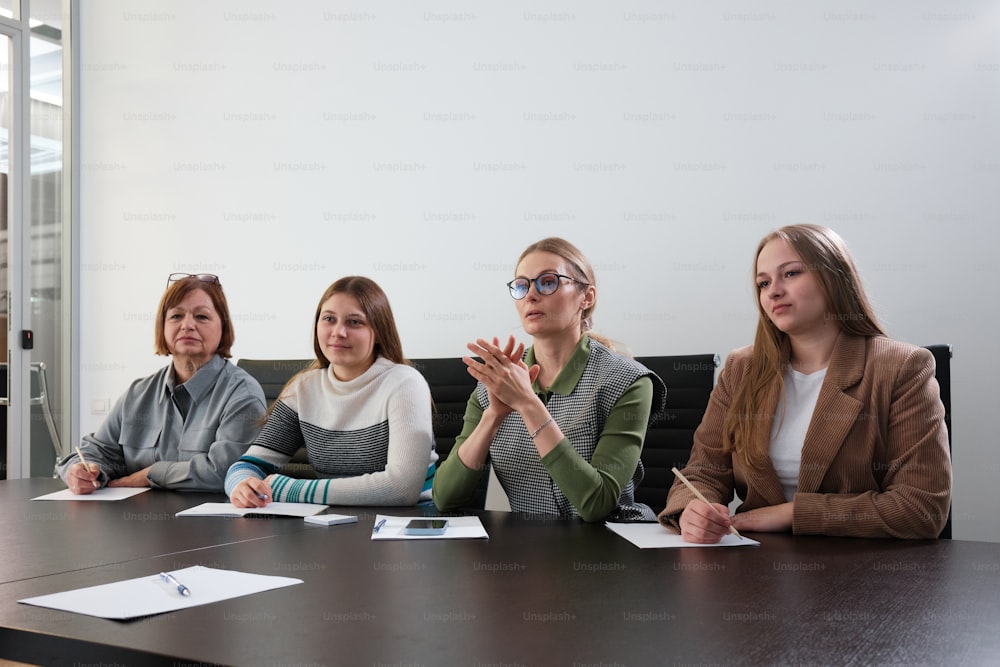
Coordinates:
[580,270]
[827,258]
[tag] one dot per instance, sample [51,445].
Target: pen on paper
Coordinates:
[378,526]
[85,464]
[702,498]
[172,580]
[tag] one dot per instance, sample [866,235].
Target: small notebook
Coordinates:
[271,509]
[331,519]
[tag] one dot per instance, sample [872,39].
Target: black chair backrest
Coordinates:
[451,385]
[689,380]
[272,374]
[942,361]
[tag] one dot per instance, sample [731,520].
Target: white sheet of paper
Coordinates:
[459,527]
[151,595]
[228,509]
[657,536]
[104,493]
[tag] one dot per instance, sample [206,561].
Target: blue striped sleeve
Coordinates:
[244,468]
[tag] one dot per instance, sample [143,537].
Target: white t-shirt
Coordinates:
[791,421]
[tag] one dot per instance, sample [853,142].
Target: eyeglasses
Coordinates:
[545,283]
[203,277]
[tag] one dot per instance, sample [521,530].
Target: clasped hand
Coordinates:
[506,377]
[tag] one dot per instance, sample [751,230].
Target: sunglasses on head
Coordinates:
[545,283]
[203,277]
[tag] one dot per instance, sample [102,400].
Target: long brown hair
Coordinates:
[579,269]
[375,306]
[826,256]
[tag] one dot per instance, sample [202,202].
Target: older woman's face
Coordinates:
[193,328]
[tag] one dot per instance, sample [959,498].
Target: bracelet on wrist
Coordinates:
[539,429]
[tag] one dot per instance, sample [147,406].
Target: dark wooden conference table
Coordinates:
[538,592]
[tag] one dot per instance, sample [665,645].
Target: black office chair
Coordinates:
[942,360]
[273,374]
[451,385]
[689,380]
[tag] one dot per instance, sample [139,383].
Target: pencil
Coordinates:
[85,465]
[697,494]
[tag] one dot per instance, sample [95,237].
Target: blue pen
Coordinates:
[378,526]
[170,579]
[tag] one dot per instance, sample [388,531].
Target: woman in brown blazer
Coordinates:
[824,426]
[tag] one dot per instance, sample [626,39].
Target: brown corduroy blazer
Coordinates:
[875,462]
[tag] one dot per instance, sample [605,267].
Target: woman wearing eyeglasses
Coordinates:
[563,423]
[361,411]
[183,426]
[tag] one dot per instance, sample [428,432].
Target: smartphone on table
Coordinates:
[426,527]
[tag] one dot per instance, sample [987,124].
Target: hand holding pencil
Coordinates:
[704,522]
[81,478]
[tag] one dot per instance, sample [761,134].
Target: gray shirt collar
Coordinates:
[200,383]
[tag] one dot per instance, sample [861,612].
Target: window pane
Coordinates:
[46,234]
[5,57]
[10,9]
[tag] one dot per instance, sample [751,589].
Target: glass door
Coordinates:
[9,59]
[34,326]
[43,253]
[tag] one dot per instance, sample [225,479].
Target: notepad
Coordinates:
[271,509]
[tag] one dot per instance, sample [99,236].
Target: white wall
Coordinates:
[282,145]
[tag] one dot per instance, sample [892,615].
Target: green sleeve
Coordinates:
[455,483]
[594,488]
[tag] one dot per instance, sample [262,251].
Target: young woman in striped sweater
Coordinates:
[361,411]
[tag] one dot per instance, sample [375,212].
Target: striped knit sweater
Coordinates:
[369,439]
